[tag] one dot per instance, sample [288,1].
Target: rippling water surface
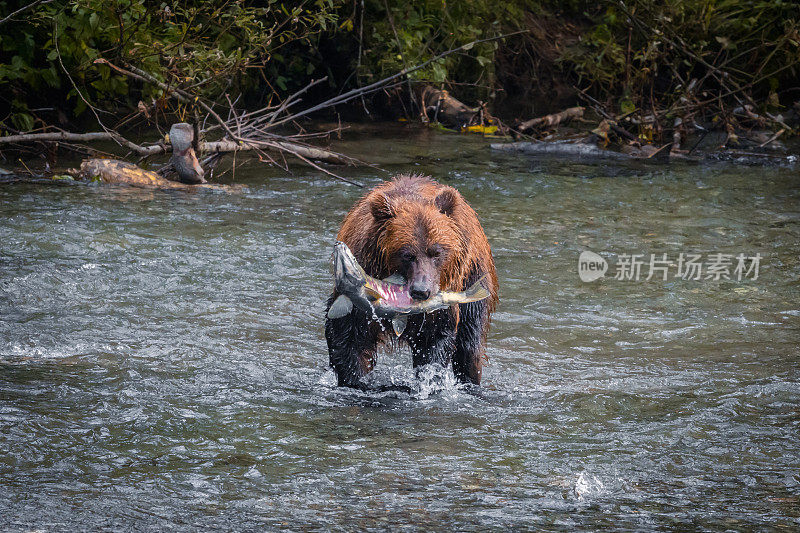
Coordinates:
[163,363]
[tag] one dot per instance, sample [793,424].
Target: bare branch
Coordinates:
[65,136]
[224,146]
[182,96]
[552,120]
[23,9]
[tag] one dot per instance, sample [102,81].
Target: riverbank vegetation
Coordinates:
[651,72]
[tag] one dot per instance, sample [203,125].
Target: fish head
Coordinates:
[347,273]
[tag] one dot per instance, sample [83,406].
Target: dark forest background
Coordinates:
[665,58]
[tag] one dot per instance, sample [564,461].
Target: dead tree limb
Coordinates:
[774,137]
[310,152]
[223,146]
[65,136]
[552,120]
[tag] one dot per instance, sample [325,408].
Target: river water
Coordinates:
[163,363]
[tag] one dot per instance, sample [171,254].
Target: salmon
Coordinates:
[388,298]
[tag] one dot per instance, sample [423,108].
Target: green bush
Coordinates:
[209,47]
[643,53]
[634,55]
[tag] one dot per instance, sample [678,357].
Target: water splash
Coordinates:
[588,486]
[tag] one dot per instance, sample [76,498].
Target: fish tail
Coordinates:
[477,291]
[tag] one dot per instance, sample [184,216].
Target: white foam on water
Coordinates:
[327,378]
[434,379]
[588,486]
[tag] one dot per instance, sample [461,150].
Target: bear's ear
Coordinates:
[447,200]
[381,207]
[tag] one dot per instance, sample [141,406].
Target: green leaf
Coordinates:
[626,106]
[22,121]
[80,107]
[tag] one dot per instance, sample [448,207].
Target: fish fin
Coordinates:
[396,279]
[341,306]
[372,293]
[399,323]
[477,291]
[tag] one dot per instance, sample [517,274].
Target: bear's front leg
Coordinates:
[469,344]
[431,338]
[352,344]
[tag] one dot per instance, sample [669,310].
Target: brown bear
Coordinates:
[426,232]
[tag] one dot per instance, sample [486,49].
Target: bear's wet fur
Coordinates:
[427,232]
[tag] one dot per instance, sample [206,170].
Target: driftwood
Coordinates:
[311,152]
[577,150]
[65,136]
[644,153]
[124,173]
[772,138]
[551,120]
[224,146]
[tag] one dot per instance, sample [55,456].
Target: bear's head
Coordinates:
[419,238]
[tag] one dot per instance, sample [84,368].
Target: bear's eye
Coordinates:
[434,251]
[407,256]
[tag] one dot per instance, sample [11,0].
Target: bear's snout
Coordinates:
[420,292]
[424,278]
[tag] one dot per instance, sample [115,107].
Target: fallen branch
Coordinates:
[774,137]
[552,120]
[658,151]
[567,149]
[223,146]
[310,152]
[64,136]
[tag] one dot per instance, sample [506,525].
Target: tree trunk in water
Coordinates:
[181,137]
[116,171]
